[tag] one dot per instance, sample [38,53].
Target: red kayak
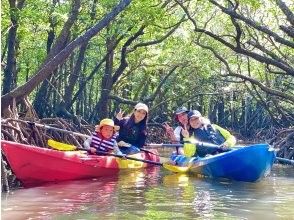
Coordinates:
[35,165]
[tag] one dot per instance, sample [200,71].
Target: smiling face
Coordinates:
[139,115]
[107,131]
[183,118]
[195,122]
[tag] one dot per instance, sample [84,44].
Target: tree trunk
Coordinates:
[42,95]
[221,111]
[10,75]
[47,70]
[74,75]
[106,84]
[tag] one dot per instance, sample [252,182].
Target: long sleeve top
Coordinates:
[130,132]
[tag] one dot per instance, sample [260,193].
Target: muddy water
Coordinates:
[156,194]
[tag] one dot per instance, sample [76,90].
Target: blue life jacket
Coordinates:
[208,134]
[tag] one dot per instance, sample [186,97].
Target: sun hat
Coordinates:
[181,110]
[141,106]
[106,121]
[194,113]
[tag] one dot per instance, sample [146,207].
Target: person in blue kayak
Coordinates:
[201,130]
[103,140]
[177,135]
[133,129]
[181,117]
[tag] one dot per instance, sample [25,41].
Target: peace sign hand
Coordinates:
[119,115]
[185,132]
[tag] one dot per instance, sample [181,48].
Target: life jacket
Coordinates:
[208,134]
[102,144]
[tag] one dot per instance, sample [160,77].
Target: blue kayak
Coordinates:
[247,164]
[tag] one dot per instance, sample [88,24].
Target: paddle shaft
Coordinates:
[148,151]
[198,144]
[120,156]
[284,160]
[129,158]
[59,129]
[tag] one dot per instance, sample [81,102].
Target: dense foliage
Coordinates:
[232,60]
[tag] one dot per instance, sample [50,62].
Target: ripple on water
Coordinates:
[155,194]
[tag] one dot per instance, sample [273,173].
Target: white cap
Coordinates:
[141,106]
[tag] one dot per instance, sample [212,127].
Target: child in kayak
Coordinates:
[133,129]
[104,138]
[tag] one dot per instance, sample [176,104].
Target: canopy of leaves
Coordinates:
[202,54]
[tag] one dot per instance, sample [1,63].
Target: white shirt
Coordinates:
[177,133]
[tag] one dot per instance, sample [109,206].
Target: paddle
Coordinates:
[284,160]
[68,147]
[62,146]
[177,169]
[202,147]
[58,129]
[74,133]
[130,158]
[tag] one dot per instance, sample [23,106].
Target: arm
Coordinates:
[118,118]
[117,121]
[87,143]
[230,139]
[116,149]
[141,140]
[169,132]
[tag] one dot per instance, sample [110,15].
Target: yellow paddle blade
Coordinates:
[175,168]
[61,146]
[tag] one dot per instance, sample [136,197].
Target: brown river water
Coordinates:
[156,193]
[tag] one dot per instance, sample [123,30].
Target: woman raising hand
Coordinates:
[133,129]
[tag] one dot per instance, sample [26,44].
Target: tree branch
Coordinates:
[289,14]
[288,69]
[123,61]
[254,24]
[153,96]
[157,41]
[250,79]
[51,65]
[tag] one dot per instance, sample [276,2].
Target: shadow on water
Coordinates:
[156,194]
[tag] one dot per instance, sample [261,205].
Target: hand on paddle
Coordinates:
[117,151]
[92,150]
[224,146]
[121,154]
[123,144]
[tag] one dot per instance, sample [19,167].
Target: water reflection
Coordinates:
[155,194]
[66,197]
